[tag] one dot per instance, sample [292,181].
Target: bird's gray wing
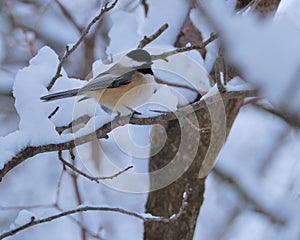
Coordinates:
[107,81]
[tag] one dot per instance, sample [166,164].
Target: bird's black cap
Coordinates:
[139,55]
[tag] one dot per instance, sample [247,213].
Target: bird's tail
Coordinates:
[60,95]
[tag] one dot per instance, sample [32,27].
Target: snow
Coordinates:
[186,66]
[23,217]
[289,9]
[238,84]
[29,86]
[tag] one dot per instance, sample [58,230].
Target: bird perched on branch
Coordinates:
[121,88]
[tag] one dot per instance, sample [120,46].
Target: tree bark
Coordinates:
[167,201]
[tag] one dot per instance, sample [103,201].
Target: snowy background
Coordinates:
[254,191]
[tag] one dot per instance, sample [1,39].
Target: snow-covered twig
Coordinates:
[69,51]
[140,216]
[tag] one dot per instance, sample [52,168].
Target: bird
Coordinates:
[121,88]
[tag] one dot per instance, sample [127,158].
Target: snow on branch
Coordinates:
[103,131]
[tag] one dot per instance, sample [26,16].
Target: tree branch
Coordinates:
[81,120]
[142,217]
[15,21]
[290,119]
[276,218]
[165,55]
[102,132]
[155,35]
[68,15]
[96,179]
[177,85]
[68,51]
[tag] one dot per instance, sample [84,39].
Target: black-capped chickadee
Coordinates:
[119,89]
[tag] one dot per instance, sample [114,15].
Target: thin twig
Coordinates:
[151,38]
[81,120]
[145,6]
[292,120]
[177,85]
[21,28]
[142,217]
[247,197]
[77,192]
[224,66]
[41,16]
[69,51]
[54,112]
[220,71]
[165,55]
[68,15]
[102,132]
[96,179]
[81,225]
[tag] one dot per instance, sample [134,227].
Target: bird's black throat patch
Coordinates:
[145,71]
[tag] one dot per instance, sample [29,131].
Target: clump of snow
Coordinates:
[238,84]
[35,128]
[28,87]
[23,217]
